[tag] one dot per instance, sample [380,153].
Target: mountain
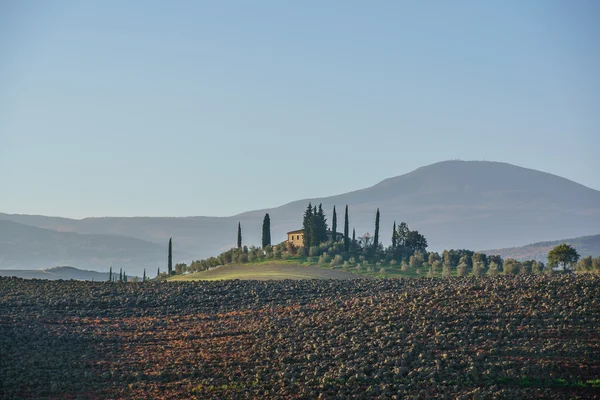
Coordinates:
[455,204]
[56,273]
[585,246]
[28,247]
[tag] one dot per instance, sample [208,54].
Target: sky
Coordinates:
[180,108]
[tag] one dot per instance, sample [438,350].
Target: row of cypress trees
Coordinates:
[266,232]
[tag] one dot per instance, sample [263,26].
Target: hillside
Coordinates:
[265,272]
[55,273]
[27,247]
[455,204]
[585,246]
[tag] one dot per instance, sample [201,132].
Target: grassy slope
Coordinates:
[266,271]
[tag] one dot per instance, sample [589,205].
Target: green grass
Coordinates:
[265,271]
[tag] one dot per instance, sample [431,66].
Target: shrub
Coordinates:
[393,262]
[352,260]
[337,260]
[404,266]
[446,271]
[462,269]
[313,251]
[324,259]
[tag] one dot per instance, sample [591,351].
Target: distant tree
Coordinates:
[110,274]
[535,268]
[320,226]
[170,257]
[346,231]
[563,255]
[180,268]
[416,260]
[266,231]
[307,227]
[436,266]
[497,259]
[511,266]
[433,257]
[584,265]
[239,236]
[394,236]
[463,267]
[120,274]
[479,257]
[446,271]
[144,277]
[416,242]
[376,237]
[334,225]
[158,272]
[596,265]
[493,269]
[478,268]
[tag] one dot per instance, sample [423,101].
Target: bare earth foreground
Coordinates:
[266,272]
[504,337]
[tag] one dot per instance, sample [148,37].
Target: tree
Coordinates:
[493,269]
[239,236]
[110,274]
[334,225]
[144,277]
[120,274]
[478,268]
[376,237]
[320,226]
[158,272]
[563,255]
[180,268]
[463,267]
[266,231]
[170,257]
[307,223]
[511,266]
[346,231]
[415,241]
[394,236]
[584,265]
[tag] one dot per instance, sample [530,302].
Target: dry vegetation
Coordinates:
[503,337]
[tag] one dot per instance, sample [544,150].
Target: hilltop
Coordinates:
[455,204]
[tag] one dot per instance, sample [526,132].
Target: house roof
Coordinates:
[302,231]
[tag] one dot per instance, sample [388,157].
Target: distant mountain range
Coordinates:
[455,204]
[585,246]
[56,273]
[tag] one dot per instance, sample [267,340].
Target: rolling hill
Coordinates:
[455,204]
[56,273]
[28,247]
[585,246]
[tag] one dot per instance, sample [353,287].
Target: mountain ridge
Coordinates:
[455,204]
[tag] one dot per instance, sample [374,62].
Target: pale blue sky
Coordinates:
[173,108]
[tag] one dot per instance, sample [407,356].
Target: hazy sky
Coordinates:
[173,108]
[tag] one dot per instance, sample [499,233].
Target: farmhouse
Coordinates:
[297,237]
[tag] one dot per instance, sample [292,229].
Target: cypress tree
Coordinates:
[120,274]
[307,226]
[394,236]
[353,237]
[170,259]
[158,272]
[376,237]
[321,226]
[239,237]
[110,274]
[266,231]
[346,232]
[144,278]
[334,226]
